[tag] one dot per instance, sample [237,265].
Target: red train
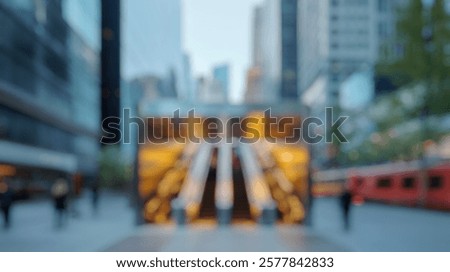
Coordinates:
[403,184]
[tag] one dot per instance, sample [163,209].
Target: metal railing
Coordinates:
[187,205]
[262,206]
[224,187]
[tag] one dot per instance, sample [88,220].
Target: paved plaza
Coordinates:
[375,227]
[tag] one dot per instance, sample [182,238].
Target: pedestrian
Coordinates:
[95,196]
[6,199]
[346,203]
[60,192]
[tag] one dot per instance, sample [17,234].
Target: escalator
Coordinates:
[241,207]
[207,207]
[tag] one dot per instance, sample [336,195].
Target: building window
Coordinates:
[435,182]
[409,183]
[359,182]
[384,183]
[382,5]
[383,31]
[357,2]
[289,75]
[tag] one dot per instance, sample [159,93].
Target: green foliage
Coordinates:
[114,172]
[396,108]
[440,58]
[423,72]
[397,135]
[410,30]
[424,33]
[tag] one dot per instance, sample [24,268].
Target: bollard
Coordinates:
[268,214]
[178,211]
[224,216]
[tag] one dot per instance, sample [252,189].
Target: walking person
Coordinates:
[346,203]
[6,199]
[95,197]
[60,192]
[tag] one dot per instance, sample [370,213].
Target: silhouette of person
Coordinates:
[95,196]
[60,192]
[346,203]
[6,199]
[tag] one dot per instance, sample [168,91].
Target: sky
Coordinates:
[216,32]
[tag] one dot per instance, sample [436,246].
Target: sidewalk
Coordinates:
[380,227]
[33,229]
[281,238]
[375,227]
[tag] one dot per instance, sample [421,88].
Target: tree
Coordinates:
[440,58]
[424,33]
[114,172]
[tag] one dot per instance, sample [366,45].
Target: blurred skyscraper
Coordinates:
[209,91]
[339,38]
[274,53]
[152,43]
[257,35]
[253,93]
[131,95]
[221,75]
[49,89]
[188,79]
[110,67]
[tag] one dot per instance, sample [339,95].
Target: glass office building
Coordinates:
[221,74]
[49,90]
[274,69]
[289,49]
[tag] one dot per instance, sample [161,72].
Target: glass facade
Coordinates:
[289,49]
[221,74]
[49,77]
[276,50]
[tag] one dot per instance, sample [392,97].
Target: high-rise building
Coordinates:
[49,90]
[253,90]
[257,35]
[338,38]
[132,92]
[289,78]
[209,91]
[253,85]
[187,73]
[152,44]
[339,41]
[275,51]
[221,74]
[110,66]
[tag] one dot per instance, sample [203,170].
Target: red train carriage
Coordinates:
[438,191]
[402,184]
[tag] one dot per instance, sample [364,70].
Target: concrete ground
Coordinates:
[375,227]
[33,225]
[379,227]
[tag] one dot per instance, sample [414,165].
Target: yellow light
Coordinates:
[287,157]
[7,170]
